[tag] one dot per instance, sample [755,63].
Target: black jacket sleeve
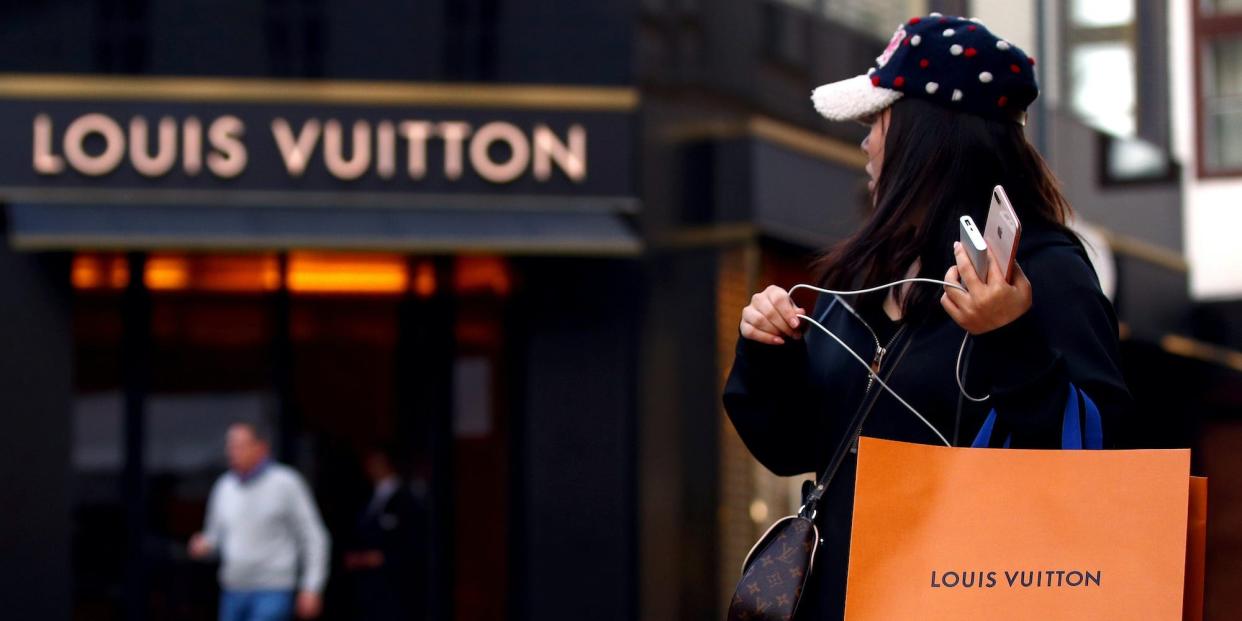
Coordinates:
[1069,336]
[766,398]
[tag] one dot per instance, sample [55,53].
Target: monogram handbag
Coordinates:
[775,571]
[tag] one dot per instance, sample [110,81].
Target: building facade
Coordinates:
[382,225]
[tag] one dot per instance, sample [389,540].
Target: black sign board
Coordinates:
[290,152]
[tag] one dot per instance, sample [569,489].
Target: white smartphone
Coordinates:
[1002,232]
[975,246]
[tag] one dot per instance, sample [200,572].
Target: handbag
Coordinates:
[778,566]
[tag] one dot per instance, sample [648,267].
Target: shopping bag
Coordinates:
[965,533]
[1196,549]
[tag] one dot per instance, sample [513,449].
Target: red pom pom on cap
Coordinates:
[1002,101]
[1031,60]
[1015,68]
[875,80]
[899,81]
[924,63]
[914,20]
[970,52]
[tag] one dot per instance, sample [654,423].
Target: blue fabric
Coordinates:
[1094,434]
[1081,427]
[256,605]
[1071,422]
[985,432]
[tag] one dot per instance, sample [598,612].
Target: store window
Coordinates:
[1102,81]
[1100,38]
[1218,33]
[337,354]
[205,361]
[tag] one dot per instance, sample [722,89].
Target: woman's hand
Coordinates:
[984,306]
[771,317]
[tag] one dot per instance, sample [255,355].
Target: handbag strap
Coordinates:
[847,441]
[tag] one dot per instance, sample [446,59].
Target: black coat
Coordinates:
[398,529]
[790,404]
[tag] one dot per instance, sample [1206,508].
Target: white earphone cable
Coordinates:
[874,289]
[957,374]
[878,380]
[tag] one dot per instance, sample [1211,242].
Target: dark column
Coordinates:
[574,512]
[287,424]
[693,277]
[135,377]
[680,438]
[425,355]
[36,381]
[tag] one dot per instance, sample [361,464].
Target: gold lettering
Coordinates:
[45,162]
[295,153]
[385,149]
[75,144]
[165,154]
[192,146]
[229,157]
[333,151]
[416,134]
[481,160]
[572,159]
[453,132]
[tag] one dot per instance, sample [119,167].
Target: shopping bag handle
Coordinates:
[1081,425]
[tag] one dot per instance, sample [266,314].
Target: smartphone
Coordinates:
[1002,232]
[975,246]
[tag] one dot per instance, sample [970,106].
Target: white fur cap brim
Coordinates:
[852,99]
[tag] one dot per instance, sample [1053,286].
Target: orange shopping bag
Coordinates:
[958,533]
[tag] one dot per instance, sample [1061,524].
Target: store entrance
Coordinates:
[341,357]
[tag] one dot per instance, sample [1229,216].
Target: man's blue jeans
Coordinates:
[256,605]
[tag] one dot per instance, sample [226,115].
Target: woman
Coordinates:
[946,107]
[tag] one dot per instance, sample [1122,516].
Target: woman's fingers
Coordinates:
[751,333]
[989,305]
[761,328]
[966,269]
[1020,280]
[771,317]
[955,295]
[765,304]
[952,276]
[784,306]
[995,275]
[955,313]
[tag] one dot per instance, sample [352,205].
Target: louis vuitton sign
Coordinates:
[310,137]
[97,144]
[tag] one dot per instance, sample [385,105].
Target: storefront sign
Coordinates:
[220,147]
[428,145]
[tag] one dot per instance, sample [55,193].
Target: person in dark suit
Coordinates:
[386,556]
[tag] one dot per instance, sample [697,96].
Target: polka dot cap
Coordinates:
[951,61]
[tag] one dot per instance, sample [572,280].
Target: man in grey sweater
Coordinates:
[263,523]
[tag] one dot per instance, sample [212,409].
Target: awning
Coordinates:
[62,226]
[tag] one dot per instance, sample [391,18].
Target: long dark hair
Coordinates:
[938,166]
